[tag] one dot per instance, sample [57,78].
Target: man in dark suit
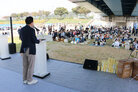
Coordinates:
[28,50]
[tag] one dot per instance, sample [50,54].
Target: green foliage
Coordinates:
[43,13]
[65,20]
[91,17]
[49,20]
[80,10]
[40,13]
[13,15]
[34,14]
[46,13]
[60,11]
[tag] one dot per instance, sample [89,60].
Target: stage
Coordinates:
[65,77]
[12,82]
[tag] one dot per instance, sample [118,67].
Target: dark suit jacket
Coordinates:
[28,38]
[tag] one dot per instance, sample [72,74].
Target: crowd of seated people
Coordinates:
[73,36]
[119,35]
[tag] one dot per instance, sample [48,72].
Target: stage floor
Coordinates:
[65,77]
[12,82]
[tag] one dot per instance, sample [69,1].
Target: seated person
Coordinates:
[97,41]
[77,39]
[82,39]
[63,34]
[136,46]
[101,43]
[73,41]
[123,40]
[104,41]
[111,37]
[116,43]
[54,35]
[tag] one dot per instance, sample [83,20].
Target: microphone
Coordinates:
[36,29]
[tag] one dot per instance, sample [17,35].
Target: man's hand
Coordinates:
[40,40]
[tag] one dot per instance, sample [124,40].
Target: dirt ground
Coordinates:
[78,53]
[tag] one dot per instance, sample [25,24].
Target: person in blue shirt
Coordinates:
[77,39]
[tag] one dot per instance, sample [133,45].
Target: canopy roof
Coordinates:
[111,7]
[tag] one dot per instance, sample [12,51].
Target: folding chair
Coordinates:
[136,52]
[134,77]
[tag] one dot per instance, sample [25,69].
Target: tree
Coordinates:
[34,14]
[80,10]
[40,13]
[14,15]
[25,14]
[21,15]
[43,13]
[60,11]
[46,13]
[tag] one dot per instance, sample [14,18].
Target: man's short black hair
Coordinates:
[29,20]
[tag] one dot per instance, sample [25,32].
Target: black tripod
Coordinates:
[132,49]
[131,53]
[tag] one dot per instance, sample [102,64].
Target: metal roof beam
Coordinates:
[98,3]
[128,6]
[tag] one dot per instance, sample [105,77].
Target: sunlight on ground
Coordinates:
[78,53]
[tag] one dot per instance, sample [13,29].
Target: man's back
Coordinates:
[25,35]
[29,39]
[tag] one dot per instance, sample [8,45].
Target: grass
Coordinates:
[20,21]
[78,53]
[70,21]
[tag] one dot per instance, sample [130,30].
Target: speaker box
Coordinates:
[90,64]
[47,56]
[12,48]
